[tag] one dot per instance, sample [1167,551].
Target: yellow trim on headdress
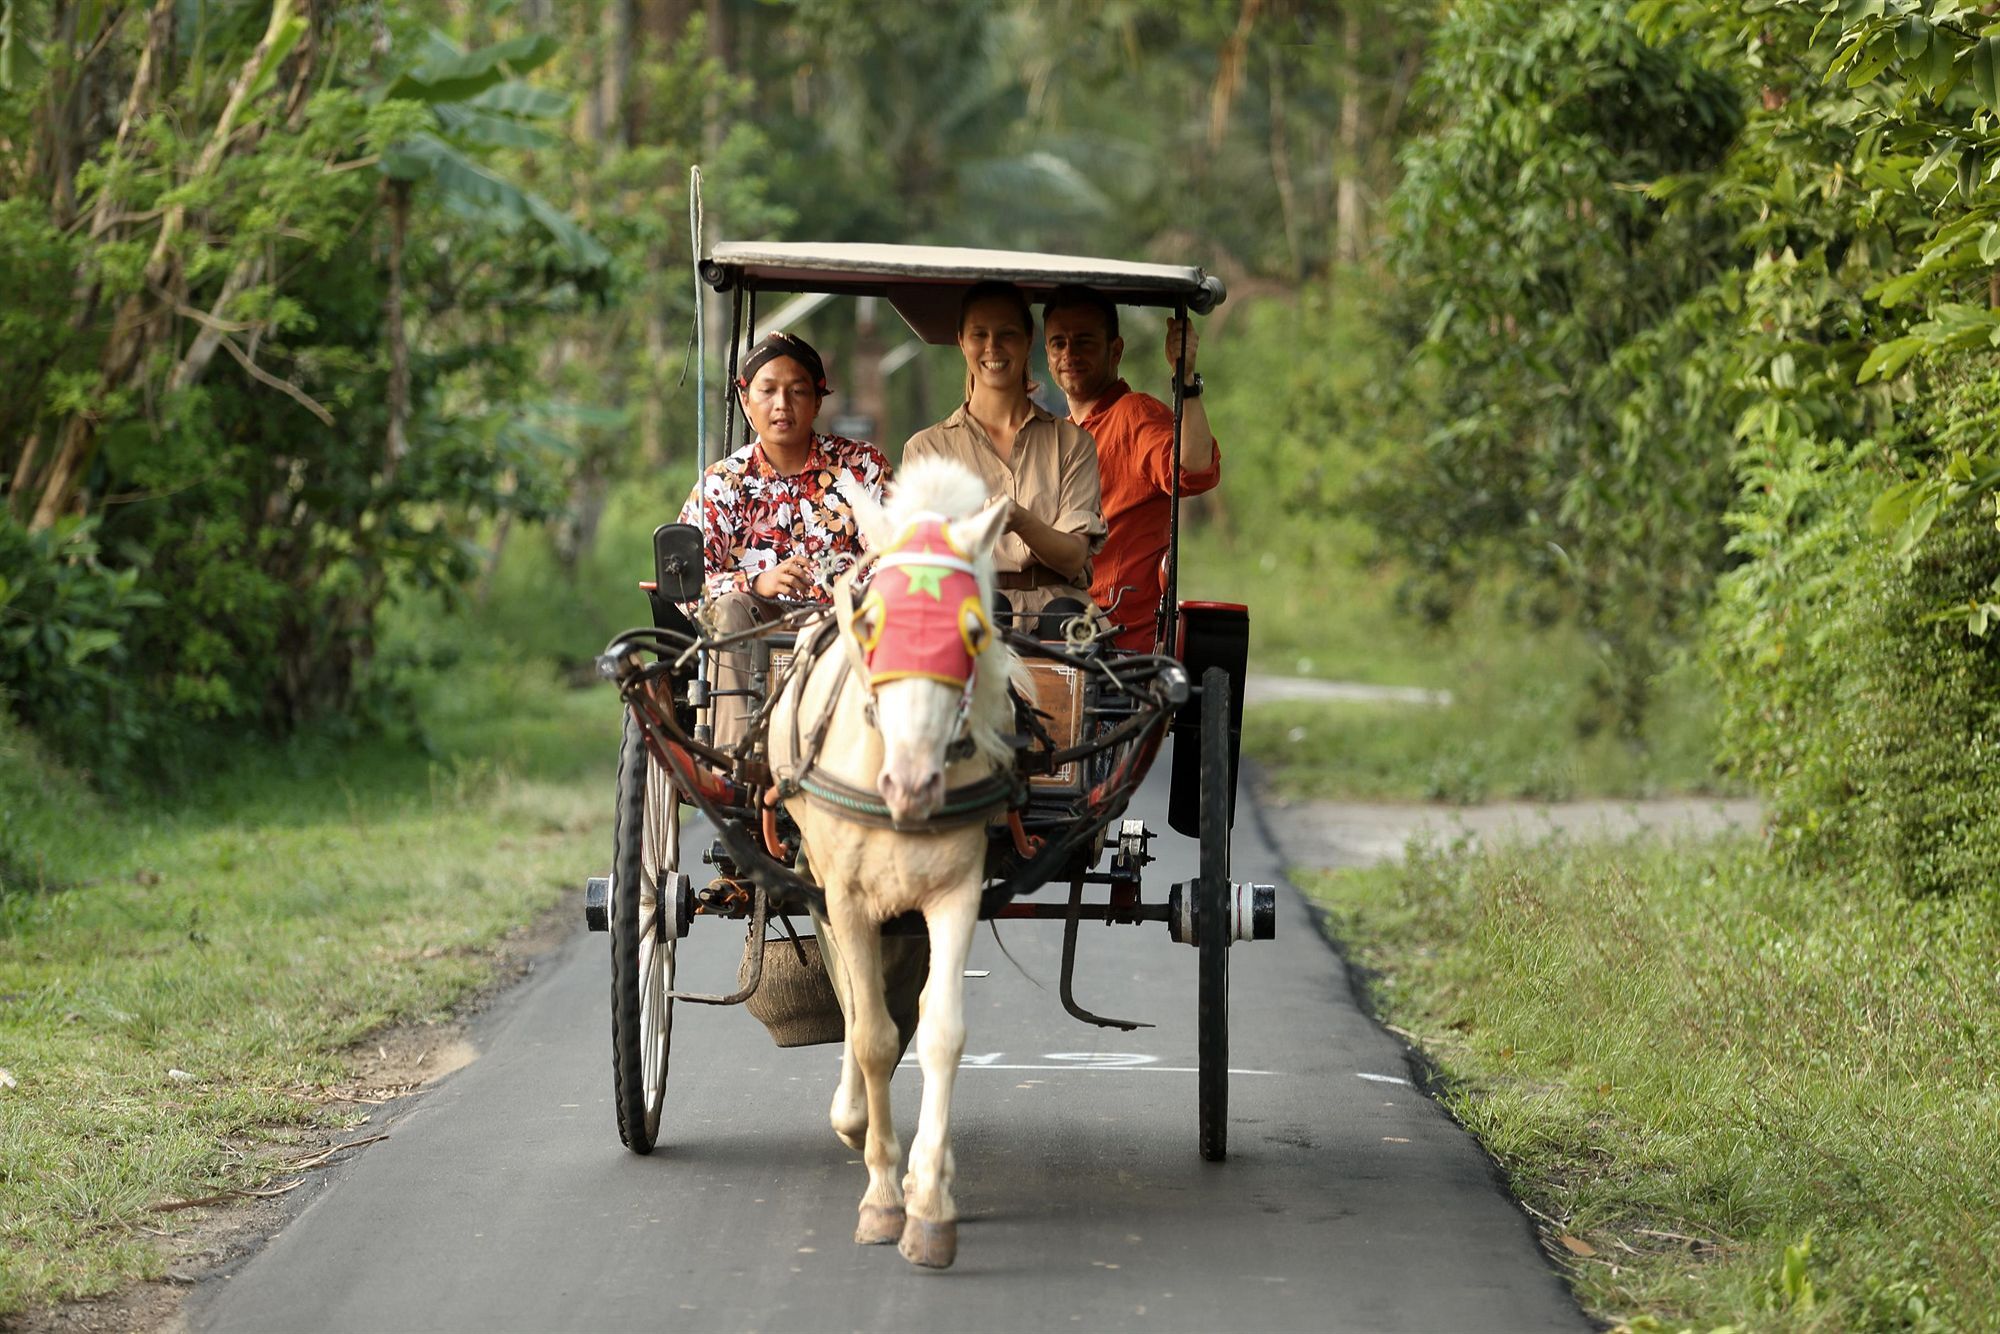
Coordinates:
[978,611]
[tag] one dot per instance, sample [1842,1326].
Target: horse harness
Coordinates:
[928,566]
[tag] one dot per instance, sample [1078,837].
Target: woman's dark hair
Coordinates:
[994,289]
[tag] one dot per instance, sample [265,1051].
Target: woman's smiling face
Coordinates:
[995,343]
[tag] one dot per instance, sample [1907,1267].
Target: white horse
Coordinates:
[914,704]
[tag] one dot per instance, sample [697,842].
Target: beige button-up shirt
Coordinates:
[1053,473]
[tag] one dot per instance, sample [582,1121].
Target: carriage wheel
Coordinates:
[646,835]
[1212,917]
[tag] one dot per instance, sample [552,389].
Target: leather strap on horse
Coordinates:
[969,803]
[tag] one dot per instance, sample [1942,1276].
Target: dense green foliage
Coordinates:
[311,306]
[1549,294]
[1710,293]
[213,180]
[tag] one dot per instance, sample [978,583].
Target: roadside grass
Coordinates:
[1511,730]
[1521,721]
[1736,1097]
[243,932]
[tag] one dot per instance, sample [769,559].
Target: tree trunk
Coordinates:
[715,313]
[871,398]
[1349,240]
[1281,167]
[24,472]
[141,323]
[620,111]
[392,316]
[653,375]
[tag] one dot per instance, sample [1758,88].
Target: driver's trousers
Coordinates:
[733,613]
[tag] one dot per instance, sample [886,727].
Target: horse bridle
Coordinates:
[858,647]
[968,804]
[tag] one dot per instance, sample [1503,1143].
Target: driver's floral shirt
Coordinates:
[753,517]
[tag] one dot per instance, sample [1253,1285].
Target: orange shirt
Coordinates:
[1135,456]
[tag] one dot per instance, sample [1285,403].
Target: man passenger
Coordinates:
[775,524]
[1044,468]
[1135,450]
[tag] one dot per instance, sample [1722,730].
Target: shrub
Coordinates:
[1873,723]
[65,640]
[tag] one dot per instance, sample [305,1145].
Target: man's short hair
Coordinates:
[1072,296]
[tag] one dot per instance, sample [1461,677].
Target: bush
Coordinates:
[1873,723]
[65,640]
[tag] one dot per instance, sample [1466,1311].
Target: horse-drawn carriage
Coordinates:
[1079,721]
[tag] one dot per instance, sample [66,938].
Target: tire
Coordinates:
[646,851]
[1212,917]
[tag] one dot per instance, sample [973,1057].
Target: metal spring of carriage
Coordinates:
[1097,720]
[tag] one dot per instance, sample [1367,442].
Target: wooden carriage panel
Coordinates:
[1058,693]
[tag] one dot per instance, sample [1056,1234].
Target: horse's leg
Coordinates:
[849,1113]
[930,1237]
[872,1044]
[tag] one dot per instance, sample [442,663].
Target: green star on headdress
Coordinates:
[927,579]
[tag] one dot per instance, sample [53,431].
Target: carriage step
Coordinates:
[1253,913]
[597,903]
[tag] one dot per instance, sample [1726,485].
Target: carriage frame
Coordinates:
[1088,738]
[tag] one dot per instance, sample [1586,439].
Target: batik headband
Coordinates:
[781,344]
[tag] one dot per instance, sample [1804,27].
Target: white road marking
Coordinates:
[912,1063]
[979,972]
[1381,1079]
[1087,1060]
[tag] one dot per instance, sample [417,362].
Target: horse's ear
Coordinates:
[978,533]
[869,516]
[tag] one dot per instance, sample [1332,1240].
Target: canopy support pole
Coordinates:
[1166,621]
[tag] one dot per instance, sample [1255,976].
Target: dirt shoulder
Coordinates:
[1338,835]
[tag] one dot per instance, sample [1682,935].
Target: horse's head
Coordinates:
[935,669]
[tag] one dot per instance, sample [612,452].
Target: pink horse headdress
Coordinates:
[923,613]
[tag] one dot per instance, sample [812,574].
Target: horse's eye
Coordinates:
[975,629]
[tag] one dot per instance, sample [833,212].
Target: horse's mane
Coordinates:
[939,486]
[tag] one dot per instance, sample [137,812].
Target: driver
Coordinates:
[775,524]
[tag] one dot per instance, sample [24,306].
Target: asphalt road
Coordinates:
[503,1201]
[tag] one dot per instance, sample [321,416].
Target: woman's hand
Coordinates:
[1012,522]
[789,579]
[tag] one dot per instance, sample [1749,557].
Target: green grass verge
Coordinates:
[1751,1100]
[244,932]
[1522,717]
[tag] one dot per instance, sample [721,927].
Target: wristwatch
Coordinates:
[1192,389]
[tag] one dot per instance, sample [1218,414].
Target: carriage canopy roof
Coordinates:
[924,283]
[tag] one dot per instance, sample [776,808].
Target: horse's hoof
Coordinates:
[878,1226]
[852,1139]
[932,1245]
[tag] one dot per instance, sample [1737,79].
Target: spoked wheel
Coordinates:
[1212,917]
[647,835]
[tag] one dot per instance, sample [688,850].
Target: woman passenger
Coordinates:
[1044,467]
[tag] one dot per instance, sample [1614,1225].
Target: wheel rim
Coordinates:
[659,860]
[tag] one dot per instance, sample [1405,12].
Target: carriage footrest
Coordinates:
[597,903]
[1253,913]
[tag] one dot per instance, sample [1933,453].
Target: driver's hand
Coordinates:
[788,579]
